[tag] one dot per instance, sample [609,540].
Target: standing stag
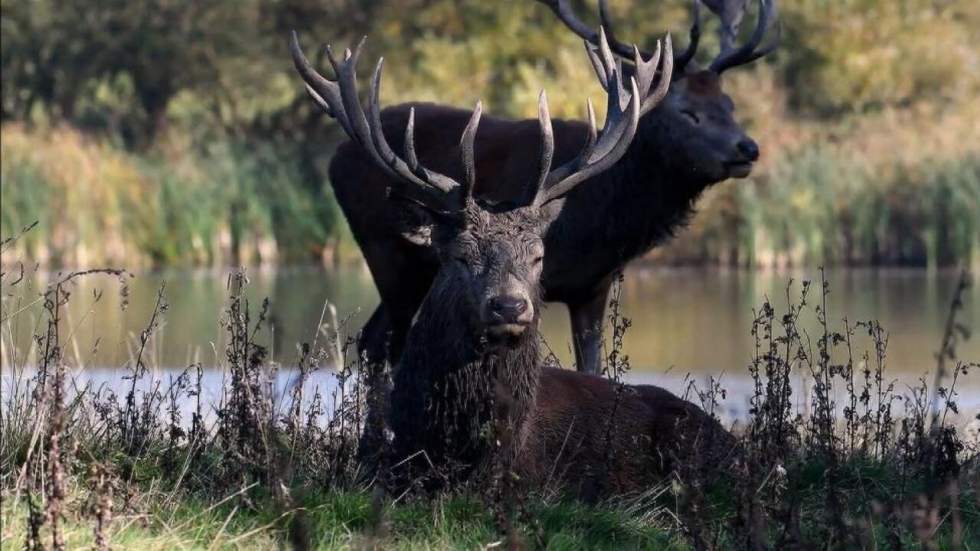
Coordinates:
[470,378]
[683,144]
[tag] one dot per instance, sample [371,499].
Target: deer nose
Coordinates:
[748,148]
[508,309]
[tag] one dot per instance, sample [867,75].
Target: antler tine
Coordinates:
[547,143]
[379,145]
[324,92]
[773,43]
[749,51]
[601,149]
[466,142]
[617,105]
[593,133]
[597,65]
[694,39]
[596,158]
[408,169]
[368,131]
[625,50]
[666,73]
[329,95]
[645,71]
[410,157]
[339,99]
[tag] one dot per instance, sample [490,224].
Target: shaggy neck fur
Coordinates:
[451,391]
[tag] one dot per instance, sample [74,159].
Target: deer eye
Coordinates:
[691,115]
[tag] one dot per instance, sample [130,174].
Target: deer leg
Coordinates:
[372,347]
[586,319]
[380,345]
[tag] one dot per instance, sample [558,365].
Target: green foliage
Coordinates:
[24,203]
[853,55]
[342,520]
[134,69]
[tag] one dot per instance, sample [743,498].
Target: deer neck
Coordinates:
[634,206]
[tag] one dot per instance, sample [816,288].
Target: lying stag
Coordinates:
[470,375]
[683,145]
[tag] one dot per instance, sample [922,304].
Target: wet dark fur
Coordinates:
[452,380]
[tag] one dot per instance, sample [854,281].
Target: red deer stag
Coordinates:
[683,145]
[470,373]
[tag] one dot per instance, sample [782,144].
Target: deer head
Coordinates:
[490,255]
[695,127]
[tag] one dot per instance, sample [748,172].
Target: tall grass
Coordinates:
[98,204]
[811,204]
[841,211]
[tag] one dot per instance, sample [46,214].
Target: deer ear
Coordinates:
[416,224]
[415,221]
[548,213]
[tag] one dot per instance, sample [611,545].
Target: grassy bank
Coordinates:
[152,461]
[156,520]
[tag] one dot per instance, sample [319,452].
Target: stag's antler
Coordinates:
[729,11]
[602,149]
[340,100]
[679,61]
[731,17]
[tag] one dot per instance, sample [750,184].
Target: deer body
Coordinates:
[454,402]
[595,438]
[452,391]
[462,398]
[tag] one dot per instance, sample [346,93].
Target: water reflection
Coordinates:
[684,320]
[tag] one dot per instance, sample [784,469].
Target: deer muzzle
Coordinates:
[508,315]
[747,153]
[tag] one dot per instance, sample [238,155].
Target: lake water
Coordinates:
[684,321]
